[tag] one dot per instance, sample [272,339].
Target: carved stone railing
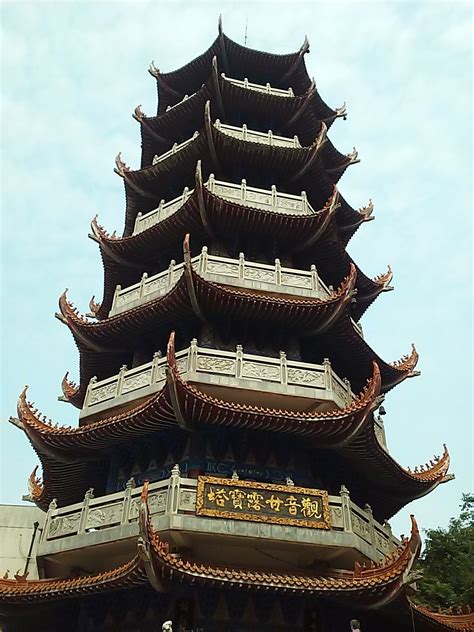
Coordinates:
[237,272]
[266,199]
[76,526]
[267,88]
[257,87]
[269,138]
[176,147]
[229,369]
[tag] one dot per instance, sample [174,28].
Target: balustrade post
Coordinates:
[154,366]
[172,499]
[52,510]
[314,278]
[192,355]
[370,515]
[270,138]
[241,265]
[246,82]
[388,529]
[277,272]
[283,368]
[118,390]
[88,496]
[174,148]
[268,87]
[211,183]
[346,508]
[290,92]
[244,132]
[127,496]
[185,194]
[137,221]
[304,200]
[274,197]
[90,386]
[347,384]
[239,356]
[296,141]
[203,260]
[143,281]
[171,272]
[243,189]
[116,294]
[328,377]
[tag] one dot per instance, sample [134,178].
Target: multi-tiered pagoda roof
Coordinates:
[228,344]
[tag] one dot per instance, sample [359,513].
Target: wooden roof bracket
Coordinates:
[154,72]
[321,138]
[303,107]
[142,119]
[188,275]
[217,87]
[121,169]
[209,135]
[225,59]
[334,205]
[303,50]
[199,185]
[171,370]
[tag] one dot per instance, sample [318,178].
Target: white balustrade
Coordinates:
[250,135]
[238,272]
[176,147]
[176,495]
[267,88]
[235,369]
[266,199]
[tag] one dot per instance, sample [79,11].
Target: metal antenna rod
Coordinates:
[246,24]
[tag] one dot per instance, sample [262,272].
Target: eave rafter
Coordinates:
[379,584]
[155,563]
[450,620]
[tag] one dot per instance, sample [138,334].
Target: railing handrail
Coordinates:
[247,134]
[192,355]
[120,508]
[245,83]
[137,291]
[164,207]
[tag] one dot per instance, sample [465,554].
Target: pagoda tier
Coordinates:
[262,158]
[350,428]
[193,299]
[217,211]
[239,62]
[236,102]
[154,561]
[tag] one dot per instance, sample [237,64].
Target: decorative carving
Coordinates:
[260,371]
[216,365]
[104,516]
[139,380]
[63,525]
[306,377]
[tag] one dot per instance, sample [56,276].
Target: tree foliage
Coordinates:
[447,562]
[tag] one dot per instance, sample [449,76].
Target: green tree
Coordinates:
[447,562]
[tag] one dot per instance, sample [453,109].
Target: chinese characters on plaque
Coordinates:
[262,502]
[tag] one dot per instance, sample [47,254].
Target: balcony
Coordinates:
[266,381]
[257,87]
[265,199]
[242,133]
[233,272]
[252,136]
[111,522]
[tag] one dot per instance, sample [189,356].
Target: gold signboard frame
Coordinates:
[288,490]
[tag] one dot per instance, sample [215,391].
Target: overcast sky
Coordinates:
[72,74]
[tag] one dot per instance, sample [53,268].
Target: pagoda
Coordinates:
[229,470]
